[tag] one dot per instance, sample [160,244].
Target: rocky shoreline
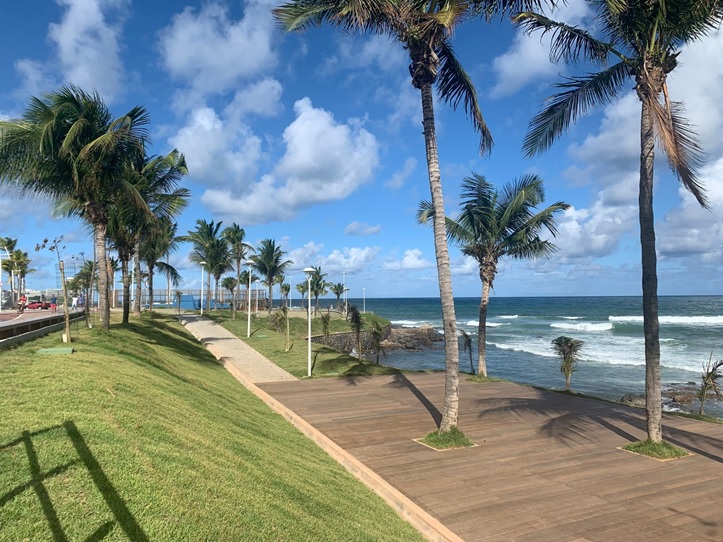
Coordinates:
[414,339]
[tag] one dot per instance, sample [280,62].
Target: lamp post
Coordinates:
[346,297]
[1,276]
[202,268]
[309,271]
[364,300]
[248,303]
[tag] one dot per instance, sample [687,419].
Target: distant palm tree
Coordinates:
[567,349]
[230,284]
[285,290]
[234,236]
[356,322]
[245,280]
[158,240]
[494,224]
[338,290]
[644,39]
[68,148]
[318,286]
[423,29]
[206,244]
[269,262]
[303,289]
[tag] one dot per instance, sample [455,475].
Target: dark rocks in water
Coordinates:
[633,399]
[412,338]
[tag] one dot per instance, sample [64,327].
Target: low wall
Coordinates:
[346,342]
[28,330]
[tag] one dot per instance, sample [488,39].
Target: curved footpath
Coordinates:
[547,466]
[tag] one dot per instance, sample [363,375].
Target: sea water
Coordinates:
[612,359]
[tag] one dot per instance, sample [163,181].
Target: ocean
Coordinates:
[612,359]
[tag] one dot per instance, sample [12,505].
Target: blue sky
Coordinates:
[314,139]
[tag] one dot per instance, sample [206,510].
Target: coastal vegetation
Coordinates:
[454,438]
[710,381]
[644,41]
[142,435]
[656,450]
[567,349]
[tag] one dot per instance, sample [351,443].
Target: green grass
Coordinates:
[661,450]
[699,417]
[479,379]
[325,360]
[454,438]
[141,435]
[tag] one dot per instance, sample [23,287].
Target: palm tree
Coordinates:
[318,286]
[644,39]
[67,148]
[303,289]
[7,245]
[467,347]
[710,381]
[494,224]
[285,289]
[230,284]
[234,236]
[354,318]
[269,262]
[247,283]
[206,245]
[337,289]
[157,241]
[567,349]
[423,29]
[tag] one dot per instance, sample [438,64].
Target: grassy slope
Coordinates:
[141,435]
[272,344]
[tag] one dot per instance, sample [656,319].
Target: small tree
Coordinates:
[54,246]
[325,321]
[230,283]
[712,374]
[377,338]
[179,294]
[354,318]
[567,349]
[467,346]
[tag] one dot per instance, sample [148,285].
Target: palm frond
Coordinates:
[455,87]
[361,15]
[568,43]
[563,109]
[681,146]
[425,212]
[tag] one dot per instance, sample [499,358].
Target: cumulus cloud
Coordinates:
[412,260]
[360,228]
[348,260]
[211,53]
[398,178]
[325,160]
[377,52]
[87,42]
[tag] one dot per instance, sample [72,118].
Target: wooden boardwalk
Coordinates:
[547,466]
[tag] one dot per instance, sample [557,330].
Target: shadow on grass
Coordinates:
[123,516]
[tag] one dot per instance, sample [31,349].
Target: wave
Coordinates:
[509,317]
[409,323]
[672,320]
[572,317]
[584,326]
[475,323]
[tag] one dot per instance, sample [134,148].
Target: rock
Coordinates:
[415,339]
[633,399]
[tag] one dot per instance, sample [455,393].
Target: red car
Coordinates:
[37,305]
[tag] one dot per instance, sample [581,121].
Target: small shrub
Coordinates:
[657,450]
[454,438]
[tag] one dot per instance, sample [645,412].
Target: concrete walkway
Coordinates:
[233,352]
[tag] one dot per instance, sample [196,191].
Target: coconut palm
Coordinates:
[157,241]
[269,262]
[303,289]
[247,284]
[67,147]
[230,284]
[234,236]
[644,40]
[467,347]
[494,224]
[356,322]
[285,290]
[318,286]
[7,246]
[206,245]
[337,289]
[567,349]
[423,29]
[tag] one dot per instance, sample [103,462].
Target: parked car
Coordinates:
[38,305]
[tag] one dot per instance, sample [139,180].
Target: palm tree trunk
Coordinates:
[150,288]
[451,348]
[237,290]
[650,277]
[103,297]
[482,328]
[139,284]
[126,278]
[271,293]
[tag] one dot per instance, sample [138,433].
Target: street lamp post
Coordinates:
[309,271]
[346,300]
[202,268]
[364,300]
[248,303]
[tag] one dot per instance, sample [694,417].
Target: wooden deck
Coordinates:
[547,466]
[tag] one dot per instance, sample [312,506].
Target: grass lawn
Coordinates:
[272,344]
[140,435]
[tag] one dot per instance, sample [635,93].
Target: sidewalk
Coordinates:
[233,351]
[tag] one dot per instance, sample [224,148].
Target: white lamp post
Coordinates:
[309,271]
[202,267]
[364,300]
[1,277]
[346,297]
[248,303]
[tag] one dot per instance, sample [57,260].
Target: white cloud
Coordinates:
[360,228]
[212,53]
[261,98]
[412,260]
[398,178]
[324,161]
[348,260]
[377,52]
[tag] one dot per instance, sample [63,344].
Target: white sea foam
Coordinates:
[473,323]
[571,317]
[509,317]
[409,323]
[496,324]
[584,326]
[673,320]
[528,348]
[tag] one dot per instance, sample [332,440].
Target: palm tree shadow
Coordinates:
[400,380]
[123,517]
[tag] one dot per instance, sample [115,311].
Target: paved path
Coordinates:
[230,349]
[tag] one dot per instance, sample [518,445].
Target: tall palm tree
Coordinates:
[245,279]
[494,224]
[219,261]
[567,350]
[205,243]
[423,29]
[285,289]
[230,284]
[269,262]
[337,289]
[234,236]
[68,148]
[643,38]
[157,241]
[303,289]
[318,286]
[7,246]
